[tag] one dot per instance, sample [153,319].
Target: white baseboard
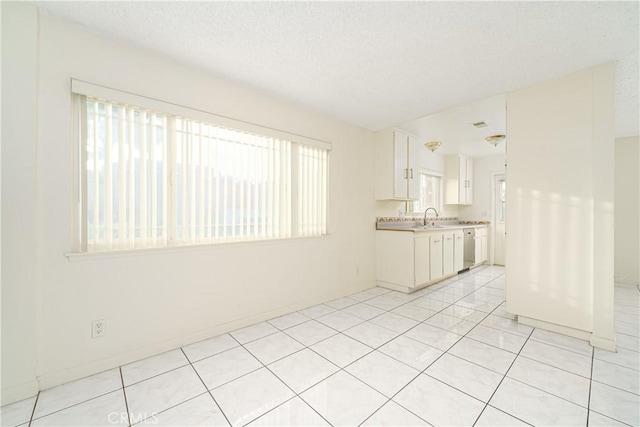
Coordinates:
[564,330]
[19,392]
[64,376]
[603,343]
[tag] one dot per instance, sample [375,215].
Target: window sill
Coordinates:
[87,256]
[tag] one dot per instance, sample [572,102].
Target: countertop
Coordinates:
[412,227]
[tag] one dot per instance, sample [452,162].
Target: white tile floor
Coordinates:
[446,355]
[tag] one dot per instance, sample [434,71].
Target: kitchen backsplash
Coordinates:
[413,218]
[429,219]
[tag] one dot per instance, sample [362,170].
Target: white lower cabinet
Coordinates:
[482,245]
[458,250]
[421,259]
[435,256]
[447,254]
[407,261]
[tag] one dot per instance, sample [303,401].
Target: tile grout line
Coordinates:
[33,410]
[283,382]
[354,361]
[205,387]
[593,352]
[124,393]
[427,367]
[501,381]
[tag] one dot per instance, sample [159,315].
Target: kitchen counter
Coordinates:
[412,227]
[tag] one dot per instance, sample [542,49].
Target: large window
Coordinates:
[430,193]
[152,179]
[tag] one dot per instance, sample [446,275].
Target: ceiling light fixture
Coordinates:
[495,139]
[433,145]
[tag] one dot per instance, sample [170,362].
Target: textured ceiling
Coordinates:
[377,64]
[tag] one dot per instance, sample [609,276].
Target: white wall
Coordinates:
[19,185]
[627,210]
[154,302]
[560,197]
[484,168]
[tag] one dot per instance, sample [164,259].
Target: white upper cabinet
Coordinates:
[458,171]
[397,165]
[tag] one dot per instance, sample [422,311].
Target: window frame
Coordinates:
[79,157]
[411,203]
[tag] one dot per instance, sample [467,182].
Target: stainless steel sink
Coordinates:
[426,227]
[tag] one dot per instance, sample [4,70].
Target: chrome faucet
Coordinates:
[425,215]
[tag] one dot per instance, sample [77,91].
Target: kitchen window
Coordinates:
[430,193]
[152,178]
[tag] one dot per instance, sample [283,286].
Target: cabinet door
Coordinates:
[400,165]
[447,254]
[468,194]
[458,251]
[435,257]
[477,259]
[421,259]
[414,147]
[462,180]
[484,247]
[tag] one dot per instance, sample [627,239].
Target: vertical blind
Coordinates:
[154,179]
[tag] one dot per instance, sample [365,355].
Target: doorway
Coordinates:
[499,216]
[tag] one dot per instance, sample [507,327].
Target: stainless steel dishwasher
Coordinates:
[469,247]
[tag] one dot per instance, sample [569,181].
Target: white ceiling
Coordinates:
[454,127]
[377,64]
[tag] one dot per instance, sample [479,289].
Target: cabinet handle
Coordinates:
[436,241]
[449,238]
[405,174]
[411,173]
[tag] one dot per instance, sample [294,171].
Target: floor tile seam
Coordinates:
[33,410]
[504,330]
[502,380]
[613,418]
[505,412]
[633,336]
[626,348]
[617,388]
[256,339]
[317,342]
[538,340]
[338,369]
[207,388]
[289,327]
[124,393]
[347,336]
[593,353]
[550,393]
[630,336]
[161,373]
[34,418]
[145,420]
[204,358]
[618,364]
[211,355]
[276,407]
[418,373]
[554,366]
[455,388]
[474,363]
[406,409]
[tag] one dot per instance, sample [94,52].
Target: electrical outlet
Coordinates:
[99,328]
